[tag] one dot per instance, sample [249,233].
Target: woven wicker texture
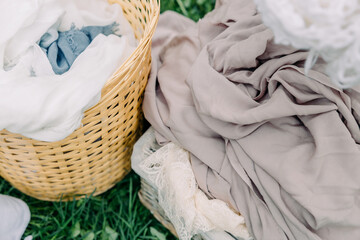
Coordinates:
[97,155]
[149,198]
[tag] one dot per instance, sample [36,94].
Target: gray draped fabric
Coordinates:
[280,147]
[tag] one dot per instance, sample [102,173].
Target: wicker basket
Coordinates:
[149,198]
[96,156]
[148,193]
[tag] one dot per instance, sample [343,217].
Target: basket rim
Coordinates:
[145,40]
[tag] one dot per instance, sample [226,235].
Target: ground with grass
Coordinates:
[116,214]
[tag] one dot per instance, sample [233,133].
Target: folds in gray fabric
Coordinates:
[279,146]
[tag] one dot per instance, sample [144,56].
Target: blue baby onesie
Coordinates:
[62,48]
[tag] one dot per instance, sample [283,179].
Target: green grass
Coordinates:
[116,214]
[194,9]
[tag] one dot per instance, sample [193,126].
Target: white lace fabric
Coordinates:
[187,207]
[329,29]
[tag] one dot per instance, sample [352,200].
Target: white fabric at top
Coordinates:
[42,18]
[49,107]
[94,13]
[327,28]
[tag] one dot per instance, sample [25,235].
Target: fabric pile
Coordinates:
[55,57]
[277,145]
[167,169]
[328,29]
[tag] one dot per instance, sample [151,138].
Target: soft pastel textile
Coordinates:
[329,29]
[62,48]
[49,107]
[15,215]
[280,147]
[168,170]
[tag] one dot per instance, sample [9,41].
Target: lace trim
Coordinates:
[187,207]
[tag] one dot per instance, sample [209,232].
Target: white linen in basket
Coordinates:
[49,107]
